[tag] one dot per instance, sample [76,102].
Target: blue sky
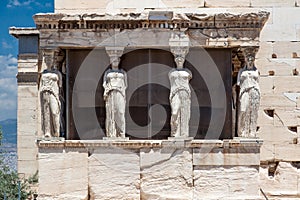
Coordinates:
[16,13]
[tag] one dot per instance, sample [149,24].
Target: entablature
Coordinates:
[138,29]
[17,31]
[152,19]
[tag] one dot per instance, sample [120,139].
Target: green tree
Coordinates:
[9,180]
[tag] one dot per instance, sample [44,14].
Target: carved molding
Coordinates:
[137,144]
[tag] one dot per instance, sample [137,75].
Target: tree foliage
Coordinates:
[9,180]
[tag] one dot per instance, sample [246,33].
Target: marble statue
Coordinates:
[249,98]
[115,84]
[50,84]
[180,99]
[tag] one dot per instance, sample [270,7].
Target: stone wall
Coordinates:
[28,105]
[279,120]
[149,170]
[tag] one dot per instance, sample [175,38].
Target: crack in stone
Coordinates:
[159,162]
[281,121]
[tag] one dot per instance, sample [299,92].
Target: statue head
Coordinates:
[53,58]
[48,61]
[250,61]
[249,54]
[179,62]
[115,62]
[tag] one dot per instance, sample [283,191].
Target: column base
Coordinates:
[53,139]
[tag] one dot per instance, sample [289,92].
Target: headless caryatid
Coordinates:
[249,98]
[180,99]
[115,84]
[50,84]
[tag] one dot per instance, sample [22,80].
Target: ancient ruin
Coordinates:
[159,99]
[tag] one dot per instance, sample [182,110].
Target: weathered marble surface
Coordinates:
[230,182]
[148,170]
[114,173]
[166,173]
[63,174]
[284,182]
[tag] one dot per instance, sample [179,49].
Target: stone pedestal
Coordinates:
[149,169]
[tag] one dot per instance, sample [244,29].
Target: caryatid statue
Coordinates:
[115,84]
[249,96]
[50,84]
[180,97]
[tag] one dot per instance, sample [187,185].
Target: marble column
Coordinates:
[115,84]
[180,92]
[50,88]
[249,95]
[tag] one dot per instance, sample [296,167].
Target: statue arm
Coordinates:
[190,74]
[105,85]
[125,79]
[59,79]
[105,79]
[170,75]
[239,77]
[258,74]
[61,89]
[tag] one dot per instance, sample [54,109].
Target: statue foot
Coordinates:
[47,135]
[56,135]
[252,135]
[176,135]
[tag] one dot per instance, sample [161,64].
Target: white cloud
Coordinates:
[8,60]
[48,5]
[8,86]
[8,67]
[26,3]
[5,45]
[12,3]
[7,103]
